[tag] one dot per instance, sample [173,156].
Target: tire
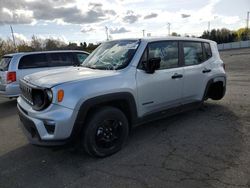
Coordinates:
[106,132]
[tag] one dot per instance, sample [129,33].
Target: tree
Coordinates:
[174,34]
[220,35]
[24,47]
[36,43]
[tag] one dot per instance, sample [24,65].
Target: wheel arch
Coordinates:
[212,85]
[124,101]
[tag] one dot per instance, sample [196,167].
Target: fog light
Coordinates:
[49,126]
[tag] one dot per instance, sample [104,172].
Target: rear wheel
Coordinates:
[106,132]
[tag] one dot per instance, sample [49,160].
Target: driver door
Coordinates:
[162,89]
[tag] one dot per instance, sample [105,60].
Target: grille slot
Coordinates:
[26,92]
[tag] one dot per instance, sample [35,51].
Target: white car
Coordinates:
[13,67]
[123,83]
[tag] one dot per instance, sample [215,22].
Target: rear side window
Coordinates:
[33,61]
[193,54]
[4,63]
[61,59]
[167,51]
[81,57]
[207,51]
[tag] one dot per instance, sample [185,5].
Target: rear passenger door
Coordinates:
[61,60]
[32,63]
[196,62]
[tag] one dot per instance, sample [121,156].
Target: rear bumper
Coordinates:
[10,90]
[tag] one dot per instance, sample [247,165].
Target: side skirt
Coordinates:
[166,113]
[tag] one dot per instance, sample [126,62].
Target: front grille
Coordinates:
[26,92]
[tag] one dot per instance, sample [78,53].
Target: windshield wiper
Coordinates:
[88,66]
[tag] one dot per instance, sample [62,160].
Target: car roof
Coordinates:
[155,39]
[42,52]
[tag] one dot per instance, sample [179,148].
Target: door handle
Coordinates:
[175,76]
[206,70]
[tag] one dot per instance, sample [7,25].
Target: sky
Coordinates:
[86,20]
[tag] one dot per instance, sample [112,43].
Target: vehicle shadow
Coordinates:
[8,108]
[186,150]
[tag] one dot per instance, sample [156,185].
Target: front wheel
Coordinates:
[106,132]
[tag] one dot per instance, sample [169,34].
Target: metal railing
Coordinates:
[234,45]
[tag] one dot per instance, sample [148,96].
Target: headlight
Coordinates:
[49,95]
[38,99]
[41,98]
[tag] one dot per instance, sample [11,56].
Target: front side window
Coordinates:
[112,55]
[193,54]
[33,61]
[167,51]
[61,59]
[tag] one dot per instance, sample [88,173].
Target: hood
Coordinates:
[55,77]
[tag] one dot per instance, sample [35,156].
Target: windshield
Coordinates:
[4,63]
[112,55]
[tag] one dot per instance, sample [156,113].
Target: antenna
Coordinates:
[13,37]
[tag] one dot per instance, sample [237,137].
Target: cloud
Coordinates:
[20,37]
[185,15]
[131,17]
[14,17]
[50,10]
[87,30]
[149,16]
[118,30]
[229,19]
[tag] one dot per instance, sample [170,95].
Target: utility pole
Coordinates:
[169,24]
[143,32]
[107,32]
[248,19]
[248,24]
[208,26]
[13,37]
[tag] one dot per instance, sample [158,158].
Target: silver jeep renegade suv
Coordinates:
[123,83]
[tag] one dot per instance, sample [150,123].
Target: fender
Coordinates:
[89,103]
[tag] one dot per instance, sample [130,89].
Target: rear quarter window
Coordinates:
[61,59]
[4,63]
[33,61]
[207,51]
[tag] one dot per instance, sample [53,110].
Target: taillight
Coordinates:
[11,77]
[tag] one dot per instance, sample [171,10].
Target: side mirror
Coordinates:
[152,65]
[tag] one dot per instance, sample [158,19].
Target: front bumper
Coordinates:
[38,131]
